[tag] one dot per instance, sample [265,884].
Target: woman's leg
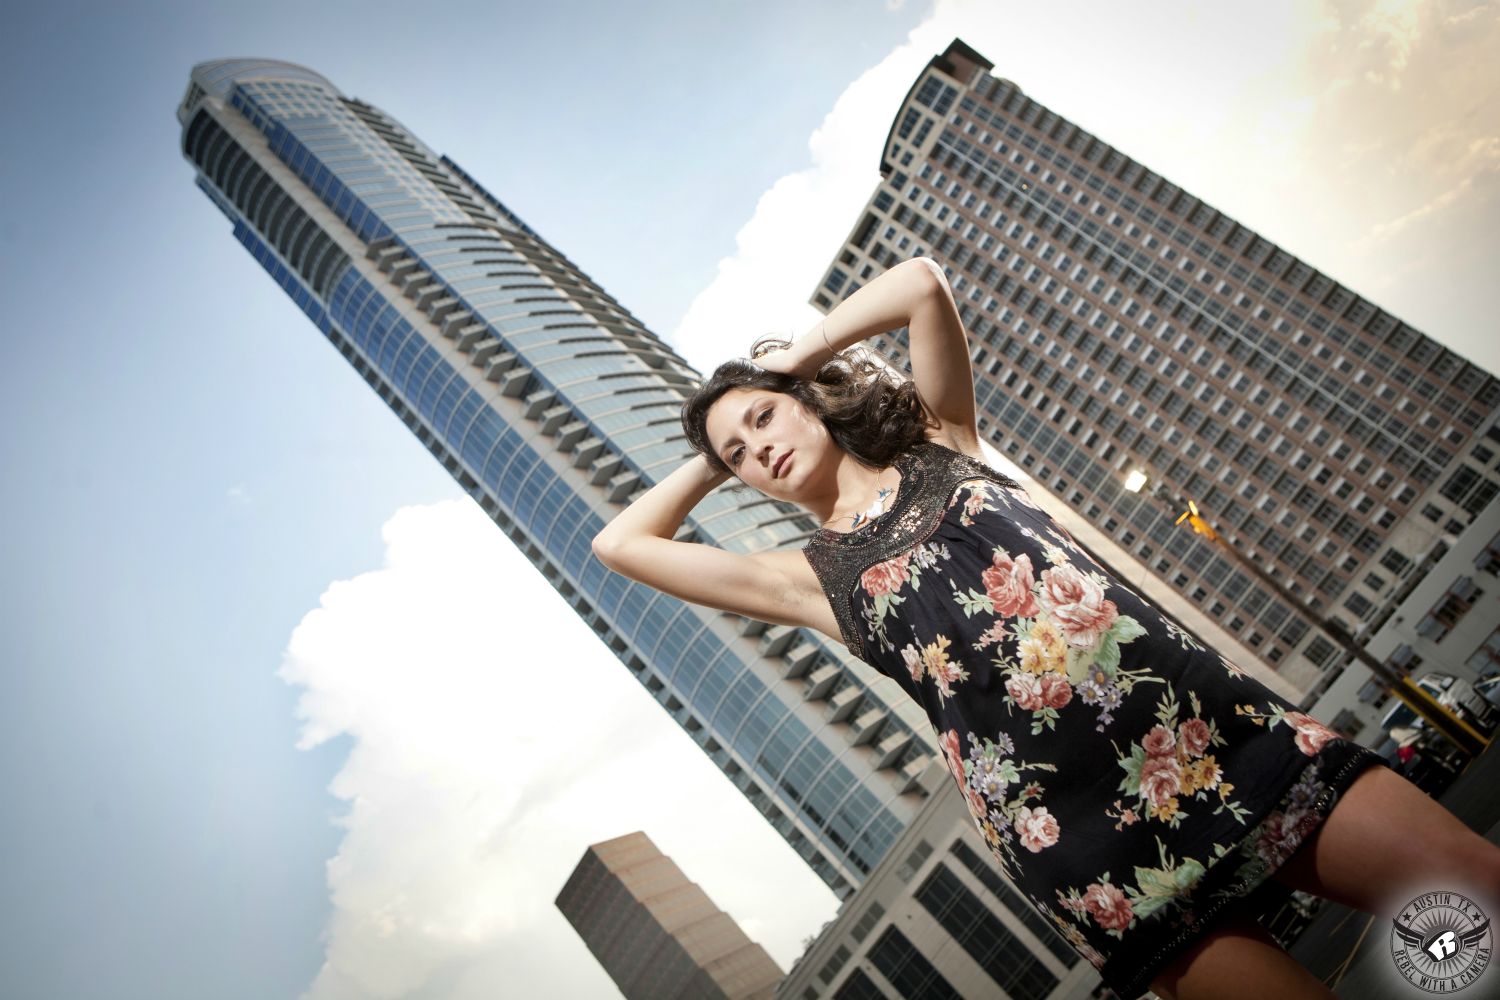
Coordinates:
[1239,960]
[1386,842]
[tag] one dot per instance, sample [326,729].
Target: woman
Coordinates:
[1133,784]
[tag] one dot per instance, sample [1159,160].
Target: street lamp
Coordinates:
[1437,715]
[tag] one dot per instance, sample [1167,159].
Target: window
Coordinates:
[834,964]
[1460,483]
[911,974]
[1488,561]
[992,946]
[1395,561]
[1321,651]
[1486,659]
[867,922]
[914,862]
[857,987]
[1450,610]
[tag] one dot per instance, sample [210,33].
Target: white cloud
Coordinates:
[238,495]
[491,738]
[782,250]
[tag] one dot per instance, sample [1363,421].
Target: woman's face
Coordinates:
[772,442]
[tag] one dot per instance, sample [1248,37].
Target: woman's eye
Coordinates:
[765,415]
[734,456]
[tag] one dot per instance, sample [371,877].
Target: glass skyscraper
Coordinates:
[552,406]
[1119,323]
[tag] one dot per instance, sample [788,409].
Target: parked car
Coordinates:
[1423,758]
[1454,693]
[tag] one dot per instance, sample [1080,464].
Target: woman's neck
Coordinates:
[855,488]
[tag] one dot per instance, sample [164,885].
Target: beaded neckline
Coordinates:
[929,474]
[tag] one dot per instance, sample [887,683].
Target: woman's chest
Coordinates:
[980,562]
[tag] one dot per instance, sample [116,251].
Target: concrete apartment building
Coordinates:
[1121,323]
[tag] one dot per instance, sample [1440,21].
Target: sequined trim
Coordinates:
[930,472]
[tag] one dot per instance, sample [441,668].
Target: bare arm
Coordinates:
[913,294]
[638,543]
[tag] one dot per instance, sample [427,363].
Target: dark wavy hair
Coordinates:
[870,412]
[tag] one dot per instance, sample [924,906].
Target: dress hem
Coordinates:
[1336,771]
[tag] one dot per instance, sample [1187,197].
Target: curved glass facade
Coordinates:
[552,406]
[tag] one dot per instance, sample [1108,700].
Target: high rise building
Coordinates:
[657,934]
[552,406]
[1121,323]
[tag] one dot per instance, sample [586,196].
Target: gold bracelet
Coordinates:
[823,325]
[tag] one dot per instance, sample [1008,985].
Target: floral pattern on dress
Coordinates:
[884,581]
[986,777]
[1066,634]
[1311,736]
[932,661]
[976,498]
[1171,763]
[1115,910]
[1113,765]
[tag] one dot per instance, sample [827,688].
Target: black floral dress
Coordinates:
[1130,782]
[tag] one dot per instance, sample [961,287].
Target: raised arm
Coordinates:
[913,294]
[765,586]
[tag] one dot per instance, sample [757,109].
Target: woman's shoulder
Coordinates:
[957,459]
[967,446]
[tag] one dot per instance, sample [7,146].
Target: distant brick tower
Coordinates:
[657,934]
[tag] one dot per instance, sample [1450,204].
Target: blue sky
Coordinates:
[164,835]
[207,509]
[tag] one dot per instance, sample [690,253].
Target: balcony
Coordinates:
[471,335]
[801,659]
[514,382]
[604,469]
[537,402]
[868,725]
[457,321]
[844,704]
[499,365]
[890,748]
[441,308]
[587,450]
[554,418]
[777,639]
[485,349]
[821,681]
[621,486]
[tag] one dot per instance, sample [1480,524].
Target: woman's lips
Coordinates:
[780,465]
